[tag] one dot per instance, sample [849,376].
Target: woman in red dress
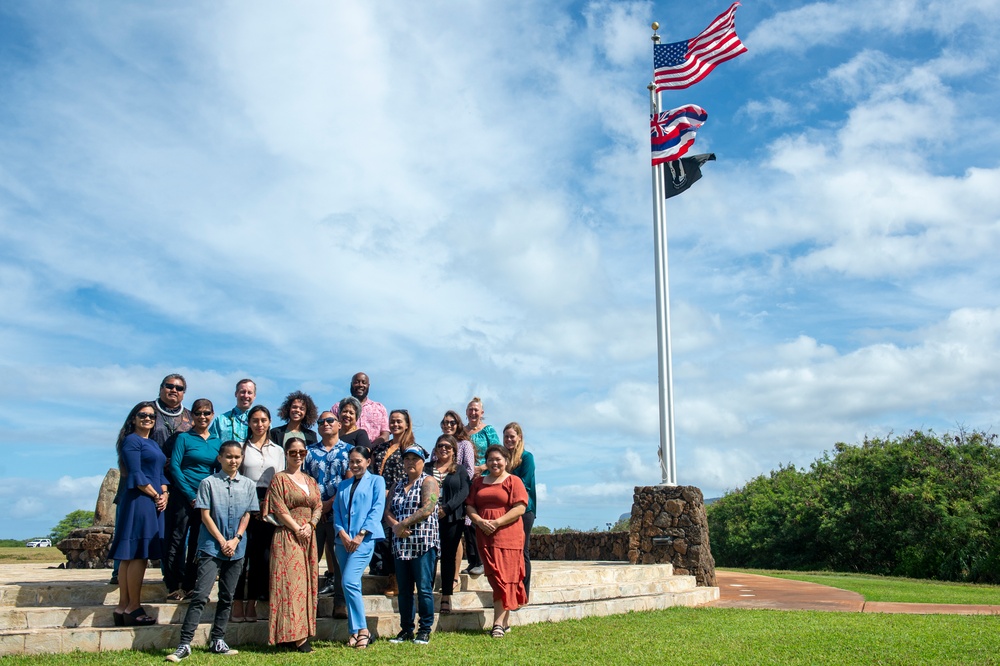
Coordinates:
[293,503]
[495,505]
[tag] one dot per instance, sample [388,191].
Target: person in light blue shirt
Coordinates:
[233,425]
[357,522]
[225,500]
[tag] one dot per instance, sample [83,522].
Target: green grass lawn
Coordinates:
[17,554]
[678,635]
[887,588]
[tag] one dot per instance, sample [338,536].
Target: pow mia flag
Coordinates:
[681,174]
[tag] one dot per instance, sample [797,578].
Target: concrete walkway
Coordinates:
[741,590]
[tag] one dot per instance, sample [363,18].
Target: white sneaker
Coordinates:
[183,652]
[219,647]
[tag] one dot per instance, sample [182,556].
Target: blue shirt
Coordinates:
[233,425]
[326,467]
[227,501]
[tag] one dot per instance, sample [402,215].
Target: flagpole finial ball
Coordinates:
[655,26]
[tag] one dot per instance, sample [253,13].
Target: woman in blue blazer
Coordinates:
[357,522]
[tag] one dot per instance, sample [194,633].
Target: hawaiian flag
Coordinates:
[672,132]
[682,64]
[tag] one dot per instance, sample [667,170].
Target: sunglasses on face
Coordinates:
[144,416]
[180,388]
[298,453]
[328,419]
[449,422]
[203,412]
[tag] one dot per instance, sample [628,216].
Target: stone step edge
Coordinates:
[461,601]
[165,636]
[593,572]
[10,595]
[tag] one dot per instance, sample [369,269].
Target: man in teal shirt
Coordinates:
[233,426]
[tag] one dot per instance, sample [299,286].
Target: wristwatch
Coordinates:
[239,537]
[362,533]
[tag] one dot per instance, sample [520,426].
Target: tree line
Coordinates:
[918,505]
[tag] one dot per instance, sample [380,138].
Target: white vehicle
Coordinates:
[39,543]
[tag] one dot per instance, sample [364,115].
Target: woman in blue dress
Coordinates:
[139,532]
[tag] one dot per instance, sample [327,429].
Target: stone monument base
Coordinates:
[669,525]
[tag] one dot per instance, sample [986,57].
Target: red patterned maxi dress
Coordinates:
[293,565]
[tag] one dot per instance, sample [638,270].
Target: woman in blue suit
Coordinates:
[357,521]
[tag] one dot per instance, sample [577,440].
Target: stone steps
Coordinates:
[46,617]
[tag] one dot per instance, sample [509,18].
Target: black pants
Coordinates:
[471,552]
[256,577]
[528,519]
[184,521]
[325,535]
[451,536]
[207,568]
[383,563]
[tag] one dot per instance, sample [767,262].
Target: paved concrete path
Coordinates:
[742,590]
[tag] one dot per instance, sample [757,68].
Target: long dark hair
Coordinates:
[406,439]
[460,433]
[129,427]
[453,443]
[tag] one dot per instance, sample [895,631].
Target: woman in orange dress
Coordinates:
[293,503]
[495,505]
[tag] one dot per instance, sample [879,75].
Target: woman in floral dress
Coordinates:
[293,503]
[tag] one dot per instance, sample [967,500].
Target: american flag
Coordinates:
[682,64]
[672,132]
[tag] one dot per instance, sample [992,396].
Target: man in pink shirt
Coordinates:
[374,419]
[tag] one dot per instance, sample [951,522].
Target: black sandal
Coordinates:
[119,618]
[138,618]
[445,606]
[497,632]
[363,640]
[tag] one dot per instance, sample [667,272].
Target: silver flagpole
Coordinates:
[668,457]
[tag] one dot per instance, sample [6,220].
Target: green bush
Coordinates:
[918,506]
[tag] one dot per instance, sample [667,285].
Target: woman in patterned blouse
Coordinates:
[412,515]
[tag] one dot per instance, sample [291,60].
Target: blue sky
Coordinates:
[455,199]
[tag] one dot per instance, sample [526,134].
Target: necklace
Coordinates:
[166,412]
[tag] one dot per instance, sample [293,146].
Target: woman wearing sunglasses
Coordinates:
[294,504]
[195,456]
[139,532]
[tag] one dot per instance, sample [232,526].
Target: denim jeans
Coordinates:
[419,572]
[228,572]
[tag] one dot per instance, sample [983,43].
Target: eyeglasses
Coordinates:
[180,388]
[328,419]
[445,447]
[449,422]
[298,453]
[203,412]
[143,416]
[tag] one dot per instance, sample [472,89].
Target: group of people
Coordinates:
[234,498]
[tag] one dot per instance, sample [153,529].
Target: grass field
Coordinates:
[887,588]
[21,554]
[686,635]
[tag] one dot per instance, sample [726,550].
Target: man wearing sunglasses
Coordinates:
[171,416]
[326,462]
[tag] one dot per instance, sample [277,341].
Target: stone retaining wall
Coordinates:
[87,548]
[608,546]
